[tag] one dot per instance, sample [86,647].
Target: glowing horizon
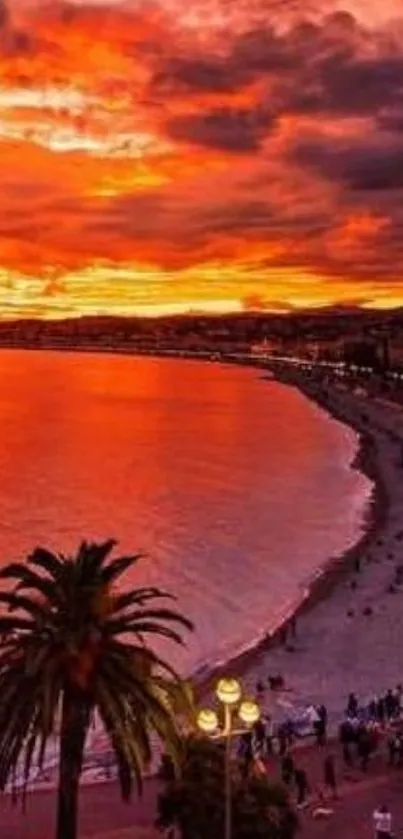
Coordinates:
[177,157]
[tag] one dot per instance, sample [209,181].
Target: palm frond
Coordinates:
[154,663]
[27,579]
[19,602]
[138,596]
[129,740]
[14,624]
[160,614]
[149,621]
[117,567]
[141,628]
[94,555]
[21,725]
[49,562]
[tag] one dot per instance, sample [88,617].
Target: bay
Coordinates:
[237,489]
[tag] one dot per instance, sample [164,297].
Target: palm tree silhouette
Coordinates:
[72,645]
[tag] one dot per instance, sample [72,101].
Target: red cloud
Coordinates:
[202,150]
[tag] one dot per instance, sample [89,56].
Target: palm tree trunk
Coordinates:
[74,724]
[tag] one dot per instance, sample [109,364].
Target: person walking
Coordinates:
[282,740]
[346,736]
[390,704]
[329,775]
[269,735]
[301,783]
[392,748]
[321,725]
[397,695]
[363,747]
[382,821]
[380,710]
[352,705]
[259,735]
[245,753]
[287,769]
[399,749]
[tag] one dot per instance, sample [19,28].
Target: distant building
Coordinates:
[264,348]
[385,352]
[363,353]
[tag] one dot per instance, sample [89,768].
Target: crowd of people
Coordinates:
[365,729]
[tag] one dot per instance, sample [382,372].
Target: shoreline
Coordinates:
[351,622]
[335,569]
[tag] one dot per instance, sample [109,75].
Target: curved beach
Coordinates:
[349,629]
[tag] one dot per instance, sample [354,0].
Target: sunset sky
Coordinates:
[200,154]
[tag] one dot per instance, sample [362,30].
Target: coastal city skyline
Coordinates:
[204,156]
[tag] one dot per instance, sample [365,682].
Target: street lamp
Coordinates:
[229,694]
[207,721]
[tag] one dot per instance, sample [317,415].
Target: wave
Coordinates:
[204,670]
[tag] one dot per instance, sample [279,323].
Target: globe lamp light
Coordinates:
[228,691]
[249,712]
[207,721]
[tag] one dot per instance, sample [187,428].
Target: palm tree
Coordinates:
[73,645]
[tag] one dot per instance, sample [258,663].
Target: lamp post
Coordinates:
[229,694]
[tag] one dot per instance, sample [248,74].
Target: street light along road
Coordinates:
[229,694]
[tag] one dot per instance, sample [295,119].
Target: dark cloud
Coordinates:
[236,130]
[340,69]
[363,165]
[14,41]
[262,216]
[391,120]
[197,75]
[377,171]
[4,15]
[335,67]
[343,85]
[240,215]
[254,52]
[261,51]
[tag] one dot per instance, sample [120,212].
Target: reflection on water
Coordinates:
[237,488]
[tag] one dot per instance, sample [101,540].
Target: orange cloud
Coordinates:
[165,157]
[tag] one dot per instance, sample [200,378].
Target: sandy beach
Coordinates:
[349,630]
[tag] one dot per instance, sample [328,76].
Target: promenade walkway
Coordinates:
[104,816]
